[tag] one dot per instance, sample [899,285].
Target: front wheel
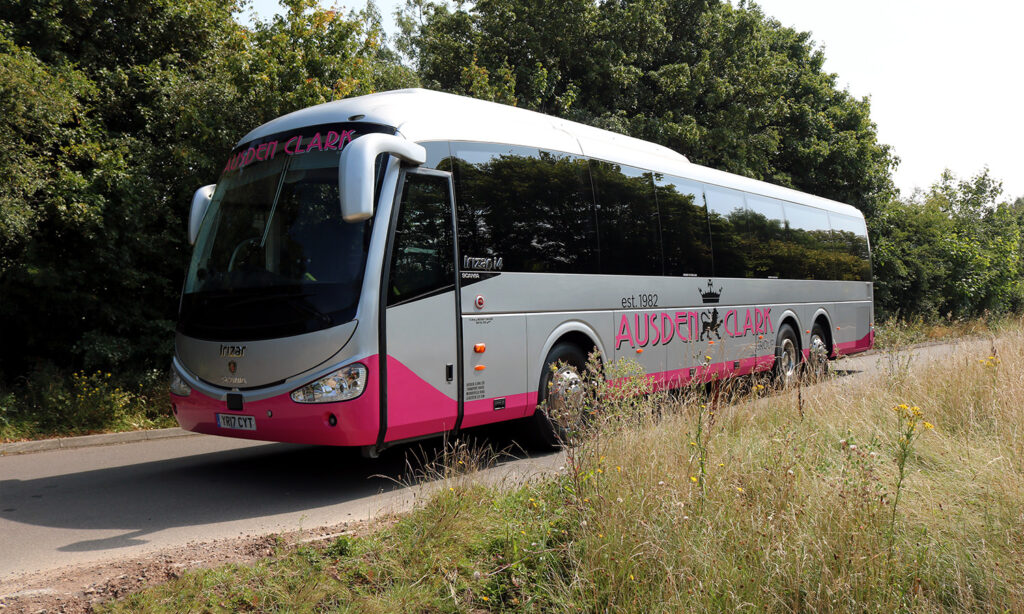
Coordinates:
[558,395]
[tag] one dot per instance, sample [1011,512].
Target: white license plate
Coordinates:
[234,421]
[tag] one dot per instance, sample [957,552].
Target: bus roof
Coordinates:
[423,115]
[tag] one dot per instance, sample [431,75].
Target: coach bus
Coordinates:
[410,263]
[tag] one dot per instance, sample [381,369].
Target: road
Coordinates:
[98,504]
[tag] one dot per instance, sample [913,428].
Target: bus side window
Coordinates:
[727,215]
[685,236]
[627,220]
[423,256]
[853,260]
[531,208]
[765,236]
[809,243]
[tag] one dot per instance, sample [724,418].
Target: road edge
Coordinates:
[88,441]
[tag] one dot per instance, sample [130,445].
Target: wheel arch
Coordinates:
[789,317]
[579,333]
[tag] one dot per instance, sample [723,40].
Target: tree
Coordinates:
[113,114]
[953,250]
[726,86]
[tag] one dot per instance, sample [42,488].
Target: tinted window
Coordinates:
[808,252]
[533,209]
[627,220]
[853,258]
[685,237]
[765,237]
[423,256]
[727,219]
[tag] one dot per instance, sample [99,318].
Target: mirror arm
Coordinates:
[356,170]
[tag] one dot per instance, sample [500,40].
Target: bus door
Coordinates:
[419,337]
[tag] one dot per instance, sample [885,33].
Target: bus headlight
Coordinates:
[178,385]
[344,384]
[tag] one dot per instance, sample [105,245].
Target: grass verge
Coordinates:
[899,333]
[53,404]
[836,497]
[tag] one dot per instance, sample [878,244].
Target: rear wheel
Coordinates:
[561,386]
[817,357]
[787,356]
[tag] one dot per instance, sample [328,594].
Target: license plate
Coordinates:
[236,422]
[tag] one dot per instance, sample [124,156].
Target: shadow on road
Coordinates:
[251,482]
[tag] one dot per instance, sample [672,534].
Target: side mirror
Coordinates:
[200,203]
[356,178]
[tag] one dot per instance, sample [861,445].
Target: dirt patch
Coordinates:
[77,589]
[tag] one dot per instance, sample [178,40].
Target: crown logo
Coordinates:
[712,295]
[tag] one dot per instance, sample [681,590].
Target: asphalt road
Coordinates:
[67,507]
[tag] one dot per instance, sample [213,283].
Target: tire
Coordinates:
[549,426]
[787,357]
[817,358]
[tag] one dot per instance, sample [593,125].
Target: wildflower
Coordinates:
[929,425]
[693,443]
[707,358]
[738,489]
[631,577]
[693,478]
[599,470]
[600,534]
[522,532]
[618,499]
[721,464]
[618,468]
[484,597]
[661,483]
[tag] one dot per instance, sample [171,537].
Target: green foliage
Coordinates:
[48,404]
[112,114]
[953,250]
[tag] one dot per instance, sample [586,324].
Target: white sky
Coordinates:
[945,77]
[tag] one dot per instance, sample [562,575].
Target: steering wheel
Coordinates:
[238,249]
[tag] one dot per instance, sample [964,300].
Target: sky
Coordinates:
[945,77]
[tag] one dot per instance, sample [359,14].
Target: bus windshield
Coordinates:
[274,257]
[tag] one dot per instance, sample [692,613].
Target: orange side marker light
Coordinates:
[479,368]
[639,350]
[480,348]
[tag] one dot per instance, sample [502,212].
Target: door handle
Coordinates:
[449,372]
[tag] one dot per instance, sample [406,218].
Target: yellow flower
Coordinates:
[693,443]
[693,478]
[484,597]
[618,468]
[929,425]
[738,489]
[721,464]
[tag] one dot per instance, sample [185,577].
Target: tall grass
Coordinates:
[50,403]
[709,500]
